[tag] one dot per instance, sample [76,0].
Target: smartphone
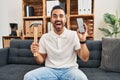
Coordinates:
[80,25]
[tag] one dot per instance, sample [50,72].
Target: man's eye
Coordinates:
[61,16]
[54,16]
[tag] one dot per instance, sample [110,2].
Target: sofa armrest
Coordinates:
[3,56]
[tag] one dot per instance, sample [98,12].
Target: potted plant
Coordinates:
[113,22]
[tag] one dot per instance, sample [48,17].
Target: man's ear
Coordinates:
[50,19]
[65,19]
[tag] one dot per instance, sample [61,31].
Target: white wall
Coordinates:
[11,11]
[101,7]
[15,12]
[4,20]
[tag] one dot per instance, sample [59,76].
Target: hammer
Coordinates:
[35,25]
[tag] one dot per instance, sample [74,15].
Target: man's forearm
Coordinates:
[83,53]
[39,58]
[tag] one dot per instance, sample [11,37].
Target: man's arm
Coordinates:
[83,53]
[39,57]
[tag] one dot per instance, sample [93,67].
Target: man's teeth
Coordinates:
[58,23]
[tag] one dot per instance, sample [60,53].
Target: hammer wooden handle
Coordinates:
[35,37]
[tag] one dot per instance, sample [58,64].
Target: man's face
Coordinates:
[58,19]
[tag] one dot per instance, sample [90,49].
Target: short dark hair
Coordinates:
[57,7]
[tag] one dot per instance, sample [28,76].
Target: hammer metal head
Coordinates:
[35,24]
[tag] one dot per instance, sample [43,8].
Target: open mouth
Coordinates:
[58,24]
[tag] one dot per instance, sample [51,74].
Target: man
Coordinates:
[59,49]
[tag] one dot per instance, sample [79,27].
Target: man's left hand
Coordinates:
[82,36]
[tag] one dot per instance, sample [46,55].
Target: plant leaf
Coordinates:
[113,21]
[106,31]
[109,18]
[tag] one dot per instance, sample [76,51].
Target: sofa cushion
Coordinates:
[3,56]
[100,74]
[20,56]
[95,48]
[19,52]
[110,54]
[15,71]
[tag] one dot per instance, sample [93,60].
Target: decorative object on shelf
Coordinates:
[29,11]
[113,22]
[14,27]
[19,32]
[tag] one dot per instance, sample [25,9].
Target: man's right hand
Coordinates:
[40,58]
[34,47]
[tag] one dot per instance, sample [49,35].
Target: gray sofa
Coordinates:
[17,60]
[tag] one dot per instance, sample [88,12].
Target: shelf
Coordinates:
[6,40]
[71,10]
[10,37]
[85,15]
[34,17]
[29,37]
[40,14]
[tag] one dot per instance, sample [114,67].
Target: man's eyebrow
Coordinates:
[54,14]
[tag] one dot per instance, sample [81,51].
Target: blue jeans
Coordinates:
[46,73]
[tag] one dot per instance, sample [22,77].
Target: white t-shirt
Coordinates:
[60,49]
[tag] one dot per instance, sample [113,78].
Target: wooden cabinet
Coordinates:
[74,13]
[40,14]
[36,10]
[6,40]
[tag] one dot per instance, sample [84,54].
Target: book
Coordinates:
[88,6]
[80,7]
[49,27]
[50,4]
[84,6]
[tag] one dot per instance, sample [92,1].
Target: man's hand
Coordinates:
[38,56]
[82,36]
[34,47]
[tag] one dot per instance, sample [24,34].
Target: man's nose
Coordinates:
[58,18]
